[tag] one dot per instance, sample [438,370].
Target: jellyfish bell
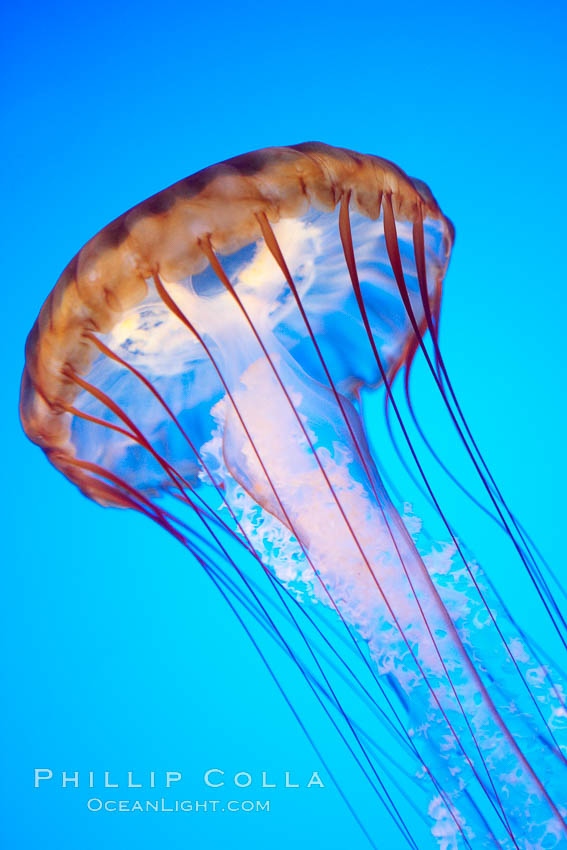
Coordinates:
[212,344]
[227,206]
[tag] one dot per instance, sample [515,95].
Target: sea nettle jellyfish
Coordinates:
[204,360]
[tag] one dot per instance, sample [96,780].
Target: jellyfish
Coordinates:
[204,360]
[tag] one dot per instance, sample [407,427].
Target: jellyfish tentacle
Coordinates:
[371,742]
[133,497]
[495,519]
[470,496]
[159,517]
[74,411]
[105,350]
[282,690]
[302,725]
[271,240]
[398,820]
[346,238]
[419,251]
[139,437]
[222,276]
[391,243]
[135,438]
[129,423]
[166,297]
[175,477]
[528,641]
